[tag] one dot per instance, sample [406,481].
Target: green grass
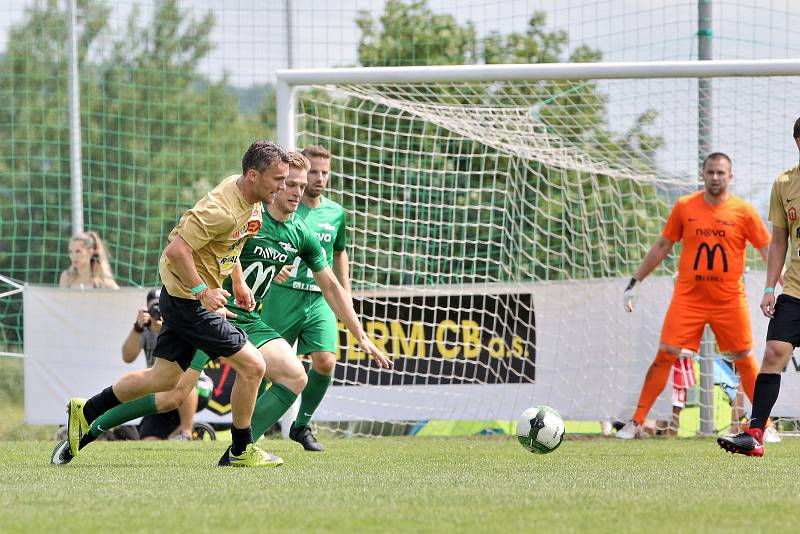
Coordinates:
[403,485]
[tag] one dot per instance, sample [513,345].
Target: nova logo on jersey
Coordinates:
[270,254]
[707,232]
[323,238]
[711,253]
[328,227]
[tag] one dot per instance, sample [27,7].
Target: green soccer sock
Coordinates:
[123,413]
[312,396]
[270,406]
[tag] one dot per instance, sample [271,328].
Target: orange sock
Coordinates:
[747,368]
[654,383]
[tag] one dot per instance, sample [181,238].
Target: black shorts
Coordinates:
[159,425]
[785,324]
[188,327]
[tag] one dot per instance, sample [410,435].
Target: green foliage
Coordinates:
[156,135]
[411,34]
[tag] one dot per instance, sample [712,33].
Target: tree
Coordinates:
[156,135]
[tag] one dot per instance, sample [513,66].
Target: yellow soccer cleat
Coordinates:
[76,424]
[252,457]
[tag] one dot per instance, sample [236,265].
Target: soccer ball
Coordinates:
[540,429]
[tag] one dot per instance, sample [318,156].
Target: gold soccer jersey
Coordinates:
[784,212]
[216,229]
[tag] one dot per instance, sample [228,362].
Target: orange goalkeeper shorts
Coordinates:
[683,327]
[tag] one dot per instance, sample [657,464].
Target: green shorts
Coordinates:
[250,322]
[302,316]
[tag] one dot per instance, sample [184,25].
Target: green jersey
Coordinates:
[327,220]
[276,244]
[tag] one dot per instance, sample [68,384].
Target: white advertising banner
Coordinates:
[579,352]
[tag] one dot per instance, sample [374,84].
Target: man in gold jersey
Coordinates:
[783,332]
[202,251]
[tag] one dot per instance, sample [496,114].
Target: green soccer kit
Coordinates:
[263,256]
[296,308]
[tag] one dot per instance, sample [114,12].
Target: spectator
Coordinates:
[174,424]
[89,265]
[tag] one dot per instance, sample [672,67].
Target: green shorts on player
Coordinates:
[296,307]
[301,316]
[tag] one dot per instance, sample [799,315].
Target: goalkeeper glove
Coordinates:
[631,292]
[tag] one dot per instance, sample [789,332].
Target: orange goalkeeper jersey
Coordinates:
[714,243]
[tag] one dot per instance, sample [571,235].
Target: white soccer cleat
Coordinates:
[631,430]
[771,435]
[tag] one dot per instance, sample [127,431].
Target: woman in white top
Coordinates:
[89,265]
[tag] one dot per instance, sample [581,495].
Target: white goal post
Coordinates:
[288,80]
[496,211]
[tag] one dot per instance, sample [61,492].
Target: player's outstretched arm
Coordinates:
[653,259]
[342,305]
[776,256]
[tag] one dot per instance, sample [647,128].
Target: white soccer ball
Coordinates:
[540,429]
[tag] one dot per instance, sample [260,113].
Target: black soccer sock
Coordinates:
[241,437]
[86,439]
[768,385]
[99,404]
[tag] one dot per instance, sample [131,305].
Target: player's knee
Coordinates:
[744,360]
[325,363]
[664,358]
[775,357]
[253,368]
[294,377]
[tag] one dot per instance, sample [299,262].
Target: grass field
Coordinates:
[403,485]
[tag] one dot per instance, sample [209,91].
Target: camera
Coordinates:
[154,311]
[152,304]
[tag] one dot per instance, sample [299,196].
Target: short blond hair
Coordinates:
[316,151]
[299,161]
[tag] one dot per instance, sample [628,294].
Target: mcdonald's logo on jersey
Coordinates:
[711,253]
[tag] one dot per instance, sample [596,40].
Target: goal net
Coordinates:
[493,226]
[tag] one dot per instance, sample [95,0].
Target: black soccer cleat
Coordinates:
[746,443]
[61,454]
[305,437]
[225,460]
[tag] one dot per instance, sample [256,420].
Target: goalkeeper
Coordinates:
[715,227]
